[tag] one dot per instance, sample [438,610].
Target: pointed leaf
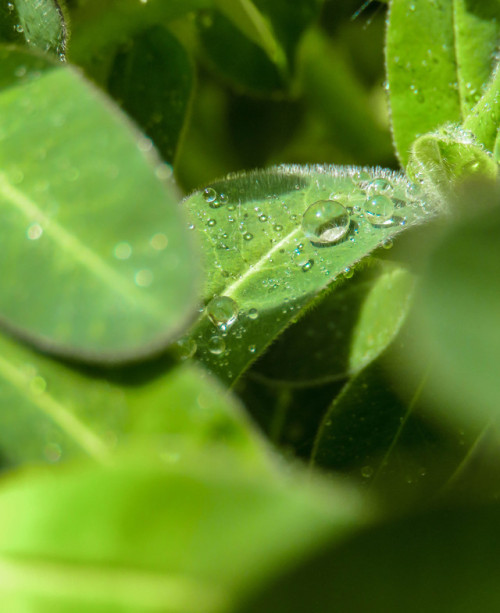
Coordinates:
[92,240]
[268,261]
[343,331]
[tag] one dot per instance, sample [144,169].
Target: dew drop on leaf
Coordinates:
[308,265]
[380,185]
[379,210]
[325,222]
[253,313]
[216,345]
[186,348]
[222,312]
[248,236]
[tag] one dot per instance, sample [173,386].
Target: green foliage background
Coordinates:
[208,404]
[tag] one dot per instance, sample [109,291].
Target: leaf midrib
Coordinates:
[78,251]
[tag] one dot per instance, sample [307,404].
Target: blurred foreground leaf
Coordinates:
[92,240]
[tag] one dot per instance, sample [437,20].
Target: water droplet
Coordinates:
[253,313]
[186,348]
[248,236]
[381,186]
[326,222]
[348,273]
[262,218]
[122,251]
[34,231]
[19,28]
[143,278]
[367,472]
[379,210]
[222,312]
[308,265]
[159,241]
[387,244]
[216,345]
[211,223]
[210,196]
[252,348]
[278,228]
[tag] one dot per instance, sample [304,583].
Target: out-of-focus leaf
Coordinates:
[160,538]
[437,63]
[249,65]
[343,331]
[440,560]
[92,238]
[50,412]
[99,28]
[152,80]
[379,434]
[274,239]
[457,319]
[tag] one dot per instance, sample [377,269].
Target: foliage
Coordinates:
[232,390]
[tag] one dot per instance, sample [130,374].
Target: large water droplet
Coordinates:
[216,345]
[379,210]
[325,222]
[222,311]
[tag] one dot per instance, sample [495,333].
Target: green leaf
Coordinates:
[99,28]
[50,412]
[87,272]
[152,80]
[484,119]
[151,537]
[263,61]
[343,331]
[40,23]
[433,76]
[444,159]
[381,435]
[269,258]
[245,15]
[457,319]
[440,560]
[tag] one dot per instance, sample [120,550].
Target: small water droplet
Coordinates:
[248,236]
[34,231]
[348,273]
[252,348]
[387,244]
[381,186]
[222,312]
[210,196]
[253,313]
[278,228]
[211,223]
[308,265]
[326,222]
[143,278]
[122,251]
[159,241]
[186,348]
[379,210]
[262,218]
[19,28]
[367,472]
[216,345]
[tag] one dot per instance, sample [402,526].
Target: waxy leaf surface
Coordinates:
[274,239]
[96,260]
